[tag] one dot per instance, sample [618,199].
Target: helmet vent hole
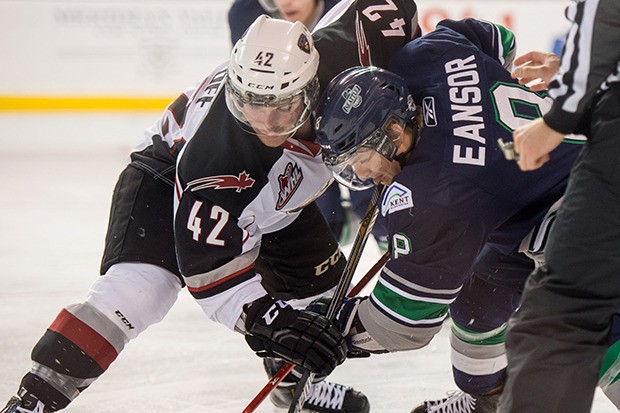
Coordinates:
[350,141]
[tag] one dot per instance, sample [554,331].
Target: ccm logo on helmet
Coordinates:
[261,87]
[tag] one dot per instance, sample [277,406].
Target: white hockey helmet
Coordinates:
[274,65]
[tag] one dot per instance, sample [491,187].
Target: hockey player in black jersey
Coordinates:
[141,278]
[331,203]
[464,222]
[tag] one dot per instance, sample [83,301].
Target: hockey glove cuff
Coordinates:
[304,338]
[360,344]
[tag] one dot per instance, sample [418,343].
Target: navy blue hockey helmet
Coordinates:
[357,110]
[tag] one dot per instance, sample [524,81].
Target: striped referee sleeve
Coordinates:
[590,57]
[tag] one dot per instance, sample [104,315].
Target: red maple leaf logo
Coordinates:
[241,182]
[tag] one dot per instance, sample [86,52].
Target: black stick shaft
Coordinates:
[305,383]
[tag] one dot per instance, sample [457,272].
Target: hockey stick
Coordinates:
[288,367]
[369,275]
[304,385]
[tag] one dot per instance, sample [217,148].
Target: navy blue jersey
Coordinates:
[457,193]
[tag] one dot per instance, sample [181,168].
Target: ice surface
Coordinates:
[57,173]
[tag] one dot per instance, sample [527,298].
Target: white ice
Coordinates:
[57,173]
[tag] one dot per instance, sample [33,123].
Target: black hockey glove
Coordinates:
[304,338]
[360,344]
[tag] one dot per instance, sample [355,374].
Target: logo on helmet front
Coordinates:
[352,98]
[303,43]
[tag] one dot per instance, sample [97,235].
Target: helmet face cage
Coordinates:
[273,67]
[345,174]
[298,105]
[381,141]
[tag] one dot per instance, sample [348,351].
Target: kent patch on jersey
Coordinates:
[397,197]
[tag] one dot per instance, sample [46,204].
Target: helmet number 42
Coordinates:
[263,59]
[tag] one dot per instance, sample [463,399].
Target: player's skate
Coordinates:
[324,396]
[460,402]
[17,405]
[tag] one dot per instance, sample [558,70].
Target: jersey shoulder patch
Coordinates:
[397,197]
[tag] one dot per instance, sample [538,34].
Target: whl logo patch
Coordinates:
[289,181]
[397,197]
[239,183]
[352,98]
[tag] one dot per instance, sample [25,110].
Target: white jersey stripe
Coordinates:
[581,47]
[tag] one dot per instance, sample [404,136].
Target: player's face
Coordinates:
[373,160]
[297,10]
[370,164]
[273,124]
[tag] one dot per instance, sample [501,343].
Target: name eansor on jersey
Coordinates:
[465,96]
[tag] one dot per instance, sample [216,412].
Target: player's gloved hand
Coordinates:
[360,344]
[304,338]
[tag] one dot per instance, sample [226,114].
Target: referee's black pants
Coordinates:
[557,339]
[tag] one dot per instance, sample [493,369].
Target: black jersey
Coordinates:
[363,33]
[232,191]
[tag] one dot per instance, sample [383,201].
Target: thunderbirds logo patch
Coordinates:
[239,183]
[396,198]
[289,181]
[352,98]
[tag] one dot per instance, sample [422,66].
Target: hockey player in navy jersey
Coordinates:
[464,222]
[141,279]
